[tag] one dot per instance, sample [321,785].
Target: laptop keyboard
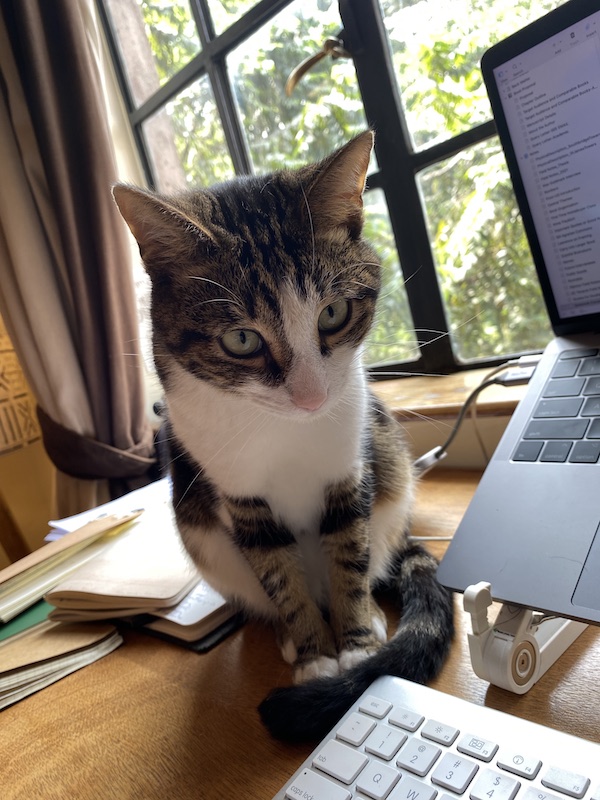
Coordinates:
[403,741]
[565,425]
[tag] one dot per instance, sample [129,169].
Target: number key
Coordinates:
[418,757]
[492,786]
[454,772]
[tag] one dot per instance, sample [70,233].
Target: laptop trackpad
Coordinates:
[587,593]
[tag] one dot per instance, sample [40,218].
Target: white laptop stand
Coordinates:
[520,646]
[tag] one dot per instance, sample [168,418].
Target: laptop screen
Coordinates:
[544,86]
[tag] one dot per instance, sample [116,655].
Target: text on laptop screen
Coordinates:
[551,100]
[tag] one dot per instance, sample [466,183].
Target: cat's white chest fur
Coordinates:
[250,452]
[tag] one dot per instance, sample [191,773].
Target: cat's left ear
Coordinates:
[335,197]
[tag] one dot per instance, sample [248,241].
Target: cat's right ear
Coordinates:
[163,232]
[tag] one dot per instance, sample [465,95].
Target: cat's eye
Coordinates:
[242,343]
[334,316]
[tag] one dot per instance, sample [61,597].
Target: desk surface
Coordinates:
[153,720]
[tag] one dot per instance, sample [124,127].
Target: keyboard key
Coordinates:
[566,368]
[558,407]
[590,366]
[376,780]
[482,749]
[309,784]
[418,757]
[454,773]
[578,352]
[594,430]
[439,732]
[340,761]
[585,453]
[528,451]
[355,729]
[491,785]
[556,452]
[375,706]
[556,429]
[567,782]
[385,742]
[592,386]
[519,764]
[406,719]
[591,407]
[564,387]
[411,789]
[538,794]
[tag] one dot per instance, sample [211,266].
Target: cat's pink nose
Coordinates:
[310,402]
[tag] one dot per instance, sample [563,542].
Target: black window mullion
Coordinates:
[217,73]
[232,126]
[365,38]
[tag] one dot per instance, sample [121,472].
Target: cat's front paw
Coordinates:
[350,658]
[321,667]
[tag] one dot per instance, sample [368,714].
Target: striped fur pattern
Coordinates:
[292,484]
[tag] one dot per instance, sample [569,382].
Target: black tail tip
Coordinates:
[305,713]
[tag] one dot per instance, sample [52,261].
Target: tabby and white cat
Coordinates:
[292,485]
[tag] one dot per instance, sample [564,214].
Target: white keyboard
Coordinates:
[403,741]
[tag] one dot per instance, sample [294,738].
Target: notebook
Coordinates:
[532,528]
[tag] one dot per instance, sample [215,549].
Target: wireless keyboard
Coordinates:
[403,741]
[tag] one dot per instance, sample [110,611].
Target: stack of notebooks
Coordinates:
[122,562]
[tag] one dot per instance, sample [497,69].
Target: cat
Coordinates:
[292,483]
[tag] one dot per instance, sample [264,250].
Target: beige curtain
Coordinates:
[66,293]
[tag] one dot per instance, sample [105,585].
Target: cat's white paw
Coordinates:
[322,667]
[379,626]
[289,652]
[349,658]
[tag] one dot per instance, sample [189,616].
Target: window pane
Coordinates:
[436,49]
[325,109]
[156,39]
[393,337]
[225,12]
[186,143]
[489,284]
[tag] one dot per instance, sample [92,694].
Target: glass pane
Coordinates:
[491,292]
[225,12]
[393,337]
[156,39]
[325,109]
[436,49]
[186,142]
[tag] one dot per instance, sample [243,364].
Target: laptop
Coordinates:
[532,529]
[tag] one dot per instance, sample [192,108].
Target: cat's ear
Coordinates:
[164,232]
[335,197]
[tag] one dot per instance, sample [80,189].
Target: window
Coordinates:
[204,83]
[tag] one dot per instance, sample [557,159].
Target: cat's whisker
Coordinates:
[312,227]
[216,283]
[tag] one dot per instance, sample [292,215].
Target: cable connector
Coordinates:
[429,460]
[516,377]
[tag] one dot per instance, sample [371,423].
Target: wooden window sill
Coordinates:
[442,396]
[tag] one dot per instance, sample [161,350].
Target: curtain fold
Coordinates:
[66,291]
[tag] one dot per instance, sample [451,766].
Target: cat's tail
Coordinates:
[416,651]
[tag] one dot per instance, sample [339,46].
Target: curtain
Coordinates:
[66,291]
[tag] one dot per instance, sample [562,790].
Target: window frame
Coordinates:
[399,164]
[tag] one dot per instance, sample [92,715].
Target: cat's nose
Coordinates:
[310,402]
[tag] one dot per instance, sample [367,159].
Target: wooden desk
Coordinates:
[152,720]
